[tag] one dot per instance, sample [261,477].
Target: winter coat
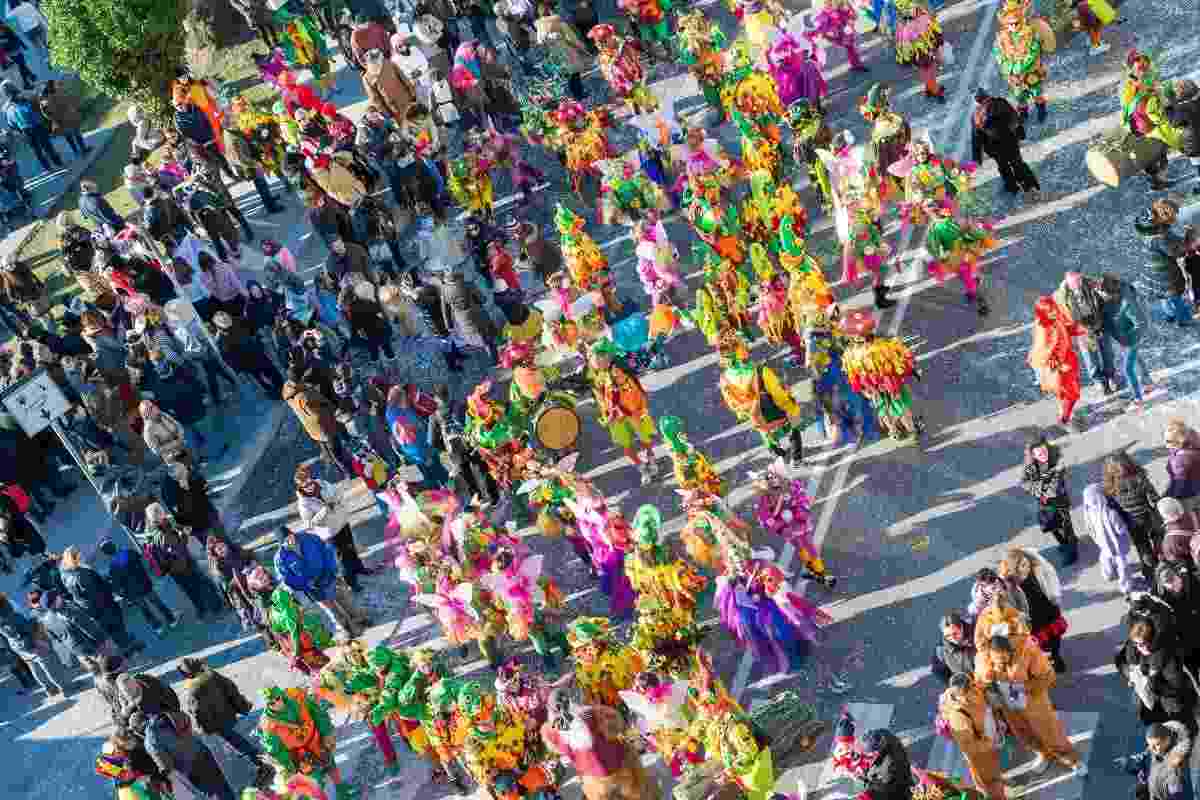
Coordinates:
[465,304]
[191,506]
[366,319]
[890,775]
[1163,276]
[1183,472]
[1158,679]
[214,702]
[94,206]
[62,110]
[157,697]
[174,746]
[241,348]
[390,91]
[1043,610]
[75,629]
[1171,776]
[1137,497]
[950,659]
[311,569]
[181,395]
[1179,540]
[314,410]
[23,536]
[1046,482]
[355,259]
[127,575]
[164,436]
[1106,522]
[1085,305]
[18,630]
[997,131]
[331,221]
[90,591]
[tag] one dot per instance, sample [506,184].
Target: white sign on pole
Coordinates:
[35,403]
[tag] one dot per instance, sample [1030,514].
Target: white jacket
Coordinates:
[323,515]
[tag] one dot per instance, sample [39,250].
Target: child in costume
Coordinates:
[774,312]
[528,598]
[758,607]
[668,589]
[1020,43]
[702,45]
[783,508]
[624,408]
[1053,355]
[836,23]
[603,667]
[755,394]
[658,260]
[919,43]
[932,186]
[881,369]
[621,64]
[298,737]
[857,211]
[693,470]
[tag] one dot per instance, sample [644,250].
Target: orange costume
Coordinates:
[973,728]
[1025,683]
[201,96]
[1053,356]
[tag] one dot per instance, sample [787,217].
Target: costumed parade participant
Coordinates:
[796,71]
[300,635]
[297,735]
[652,19]
[919,43]
[693,470]
[603,667]
[836,23]
[759,20]
[755,107]
[890,137]
[810,133]
[709,528]
[446,728]
[621,64]
[609,540]
[755,394]
[857,215]
[585,263]
[350,684]
[845,412]
[495,749]
[1053,355]
[668,590]
[627,196]
[702,46]
[1020,43]
[881,369]
[1144,112]
[658,261]
[304,46]
[933,185]
[592,738]
[661,707]
[581,137]
[723,302]
[624,408]
[498,436]
[469,182]
[783,508]
[529,599]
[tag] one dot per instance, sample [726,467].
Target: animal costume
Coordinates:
[693,470]
[1020,43]
[881,368]
[919,43]
[668,589]
[702,46]
[620,61]
[979,733]
[932,186]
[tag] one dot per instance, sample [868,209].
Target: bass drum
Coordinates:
[556,426]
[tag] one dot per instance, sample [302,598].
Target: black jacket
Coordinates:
[890,776]
[214,702]
[950,659]
[23,537]
[127,575]
[1166,684]
[90,591]
[191,506]
[75,629]
[1042,610]
[1001,131]
[18,630]
[1164,276]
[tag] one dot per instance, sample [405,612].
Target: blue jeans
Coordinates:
[1172,309]
[1103,367]
[1133,364]
[239,743]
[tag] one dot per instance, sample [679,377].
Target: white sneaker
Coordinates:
[1103,47]
[1040,765]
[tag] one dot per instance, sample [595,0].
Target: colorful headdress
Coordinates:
[876,101]
[589,630]
[647,524]
[443,695]
[602,33]
[1014,11]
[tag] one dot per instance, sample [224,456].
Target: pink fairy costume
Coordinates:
[773,304]
[856,212]
[453,604]
[658,263]
[608,535]
[835,24]
[797,71]
[784,509]
[757,606]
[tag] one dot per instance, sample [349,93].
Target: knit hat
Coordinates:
[1170,509]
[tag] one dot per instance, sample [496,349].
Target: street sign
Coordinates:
[36,402]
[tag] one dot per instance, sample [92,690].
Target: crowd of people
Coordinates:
[172,321]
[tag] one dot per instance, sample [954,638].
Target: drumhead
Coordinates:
[557,427]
